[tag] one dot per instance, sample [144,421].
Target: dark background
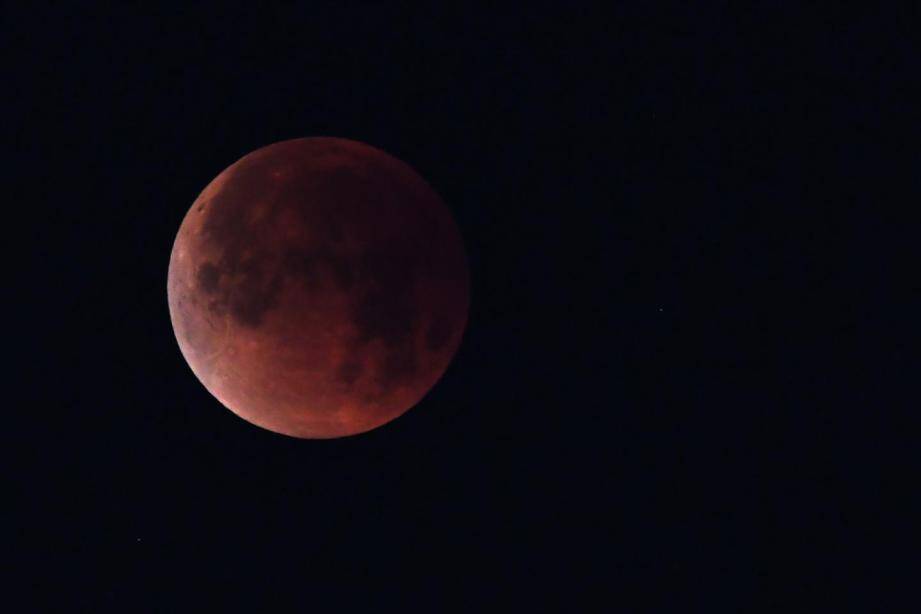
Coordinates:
[686,378]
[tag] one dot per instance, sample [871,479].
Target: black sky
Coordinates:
[685,379]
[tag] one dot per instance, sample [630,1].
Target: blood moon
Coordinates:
[318,287]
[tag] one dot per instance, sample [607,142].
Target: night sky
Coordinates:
[685,379]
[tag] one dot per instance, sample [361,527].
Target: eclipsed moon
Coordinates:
[318,287]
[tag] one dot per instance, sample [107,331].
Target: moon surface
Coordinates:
[318,287]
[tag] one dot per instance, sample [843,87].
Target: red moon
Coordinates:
[318,287]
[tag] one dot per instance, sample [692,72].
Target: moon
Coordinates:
[318,287]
